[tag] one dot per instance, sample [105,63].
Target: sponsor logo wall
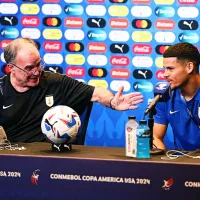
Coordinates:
[103,43]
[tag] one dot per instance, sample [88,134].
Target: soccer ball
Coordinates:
[60,124]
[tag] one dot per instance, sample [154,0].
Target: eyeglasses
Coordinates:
[31,70]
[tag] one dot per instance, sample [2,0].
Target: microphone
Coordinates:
[162,93]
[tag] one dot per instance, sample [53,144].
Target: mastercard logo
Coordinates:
[74,46]
[160,49]
[141,23]
[97,72]
[52,21]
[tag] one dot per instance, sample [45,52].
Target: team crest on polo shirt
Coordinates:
[49,100]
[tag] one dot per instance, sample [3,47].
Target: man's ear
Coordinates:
[190,67]
[10,66]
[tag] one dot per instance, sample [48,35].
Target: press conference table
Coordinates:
[95,173]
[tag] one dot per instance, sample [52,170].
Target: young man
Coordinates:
[182,111]
[27,92]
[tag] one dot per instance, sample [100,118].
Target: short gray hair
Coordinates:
[11,50]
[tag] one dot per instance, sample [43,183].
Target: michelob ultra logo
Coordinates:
[159,62]
[98,83]
[29,9]
[52,34]
[164,2]
[118,11]
[75,59]
[141,36]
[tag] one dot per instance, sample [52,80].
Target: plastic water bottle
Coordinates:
[143,140]
[131,127]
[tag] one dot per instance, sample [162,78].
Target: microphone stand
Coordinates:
[153,151]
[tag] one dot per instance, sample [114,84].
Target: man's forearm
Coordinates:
[102,96]
[158,143]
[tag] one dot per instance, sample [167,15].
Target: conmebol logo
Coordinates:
[142,49]
[143,86]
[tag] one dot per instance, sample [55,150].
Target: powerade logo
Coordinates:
[164,11]
[188,37]
[11,33]
[143,86]
[97,35]
[73,10]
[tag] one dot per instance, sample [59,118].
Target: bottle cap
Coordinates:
[131,117]
[143,122]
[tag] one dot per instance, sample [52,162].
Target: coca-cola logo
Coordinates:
[30,21]
[75,71]
[119,73]
[142,49]
[160,75]
[119,61]
[52,46]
